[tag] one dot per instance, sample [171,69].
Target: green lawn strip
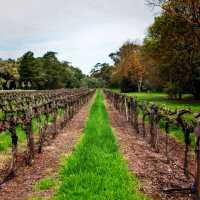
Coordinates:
[162,98]
[96,170]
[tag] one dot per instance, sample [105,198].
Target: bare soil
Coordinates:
[154,173]
[21,187]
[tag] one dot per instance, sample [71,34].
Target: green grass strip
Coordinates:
[96,170]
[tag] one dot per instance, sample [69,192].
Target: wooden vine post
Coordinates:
[126,108]
[152,116]
[135,115]
[166,139]
[145,113]
[157,129]
[131,109]
[54,111]
[30,140]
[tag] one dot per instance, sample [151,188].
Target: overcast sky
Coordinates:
[83,32]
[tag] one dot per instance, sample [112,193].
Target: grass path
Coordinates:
[96,170]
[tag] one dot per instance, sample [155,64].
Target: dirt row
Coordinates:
[46,163]
[150,167]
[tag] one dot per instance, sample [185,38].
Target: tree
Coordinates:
[52,70]
[169,47]
[129,70]
[90,82]
[186,10]
[102,72]
[48,72]
[9,75]
[27,68]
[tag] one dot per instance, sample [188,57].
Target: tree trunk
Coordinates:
[140,85]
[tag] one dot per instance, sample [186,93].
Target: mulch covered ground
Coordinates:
[154,173]
[46,163]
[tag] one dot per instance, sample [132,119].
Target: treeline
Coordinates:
[46,72]
[169,58]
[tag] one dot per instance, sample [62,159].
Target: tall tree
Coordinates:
[54,71]
[102,72]
[129,70]
[28,70]
[169,46]
[9,74]
[186,10]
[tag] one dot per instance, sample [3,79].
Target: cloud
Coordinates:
[83,32]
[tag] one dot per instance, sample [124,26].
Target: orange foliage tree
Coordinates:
[129,68]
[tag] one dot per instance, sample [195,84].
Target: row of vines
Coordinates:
[48,110]
[147,118]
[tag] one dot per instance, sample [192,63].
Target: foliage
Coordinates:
[169,58]
[169,51]
[9,74]
[102,72]
[46,72]
[187,10]
[90,82]
[129,70]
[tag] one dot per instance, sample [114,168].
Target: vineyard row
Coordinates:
[22,107]
[138,113]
